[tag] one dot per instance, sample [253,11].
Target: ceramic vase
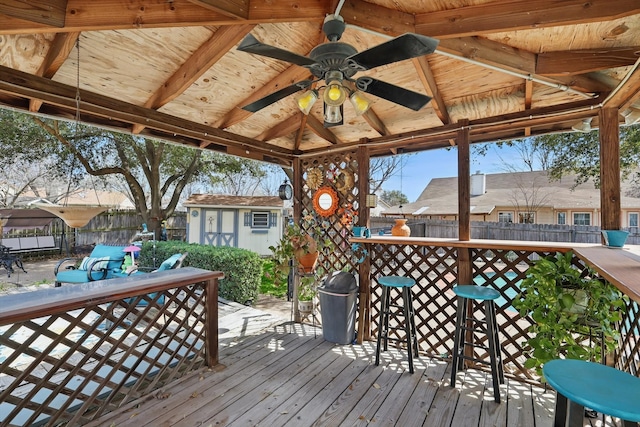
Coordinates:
[401,228]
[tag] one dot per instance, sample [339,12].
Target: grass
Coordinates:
[267,286]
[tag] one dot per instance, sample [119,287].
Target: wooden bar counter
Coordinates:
[621,267]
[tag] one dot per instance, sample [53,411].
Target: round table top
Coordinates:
[599,387]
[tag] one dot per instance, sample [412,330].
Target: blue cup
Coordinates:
[614,238]
[361,232]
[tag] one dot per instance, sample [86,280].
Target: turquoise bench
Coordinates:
[104,262]
[581,384]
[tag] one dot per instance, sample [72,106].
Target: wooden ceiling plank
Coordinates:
[584,61]
[60,49]
[628,93]
[51,13]
[283,128]
[238,9]
[509,15]
[429,82]
[199,63]
[318,128]
[121,15]
[288,77]
[18,83]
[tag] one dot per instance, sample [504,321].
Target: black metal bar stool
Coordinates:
[404,285]
[465,322]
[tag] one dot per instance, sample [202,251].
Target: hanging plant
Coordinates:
[565,303]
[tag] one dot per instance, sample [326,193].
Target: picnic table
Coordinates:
[8,260]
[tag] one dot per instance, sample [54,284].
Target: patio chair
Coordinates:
[104,262]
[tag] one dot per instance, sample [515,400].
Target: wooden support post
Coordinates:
[211,288]
[297,213]
[464,202]
[364,269]
[610,211]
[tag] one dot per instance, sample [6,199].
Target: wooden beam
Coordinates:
[429,82]
[364,268]
[60,49]
[569,62]
[318,128]
[193,68]
[375,122]
[510,15]
[82,15]
[18,83]
[610,209]
[238,9]
[626,94]
[51,13]
[283,128]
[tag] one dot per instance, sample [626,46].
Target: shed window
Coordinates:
[582,218]
[259,219]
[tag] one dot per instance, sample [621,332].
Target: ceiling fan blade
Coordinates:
[251,44]
[399,95]
[406,46]
[277,96]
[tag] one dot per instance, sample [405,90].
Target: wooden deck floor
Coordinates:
[290,376]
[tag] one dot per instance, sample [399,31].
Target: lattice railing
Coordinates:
[73,366]
[435,269]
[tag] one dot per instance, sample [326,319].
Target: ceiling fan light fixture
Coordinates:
[334,94]
[583,126]
[631,116]
[306,100]
[332,114]
[360,102]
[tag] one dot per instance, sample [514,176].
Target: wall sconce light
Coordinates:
[631,116]
[371,200]
[583,126]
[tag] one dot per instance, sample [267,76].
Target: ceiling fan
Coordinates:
[336,63]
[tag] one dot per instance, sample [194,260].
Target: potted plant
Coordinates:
[306,294]
[302,243]
[565,303]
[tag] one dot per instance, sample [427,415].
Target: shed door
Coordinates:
[220,228]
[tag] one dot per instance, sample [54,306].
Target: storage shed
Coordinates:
[248,222]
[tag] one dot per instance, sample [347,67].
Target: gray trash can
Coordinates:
[338,304]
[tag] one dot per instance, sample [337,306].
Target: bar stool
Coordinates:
[579,383]
[465,323]
[404,285]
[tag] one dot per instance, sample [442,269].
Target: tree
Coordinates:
[527,197]
[394,197]
[531,154]
[155,173]
[381,169]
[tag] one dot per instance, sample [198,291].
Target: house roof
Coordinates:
[171,69]
[210,200]
[440,197]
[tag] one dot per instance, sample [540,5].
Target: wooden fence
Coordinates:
[113,226]
[504,231]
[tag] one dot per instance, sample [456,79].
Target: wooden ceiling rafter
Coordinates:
[283,128]
[195,66]
[429,83]
[61,47]
[317,127]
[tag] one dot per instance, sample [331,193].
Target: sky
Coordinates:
[420,168]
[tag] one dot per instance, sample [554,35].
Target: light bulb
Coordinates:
[334,94]
[306,100]
[360,103]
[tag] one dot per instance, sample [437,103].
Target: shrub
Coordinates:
[242,268]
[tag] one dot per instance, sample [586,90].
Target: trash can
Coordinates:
[338,304]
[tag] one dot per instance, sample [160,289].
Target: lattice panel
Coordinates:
[434,269]
[74,366]
[340,172]
[628,352]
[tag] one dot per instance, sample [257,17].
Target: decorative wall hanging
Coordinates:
[325,201]
[314,178]
[345,181]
